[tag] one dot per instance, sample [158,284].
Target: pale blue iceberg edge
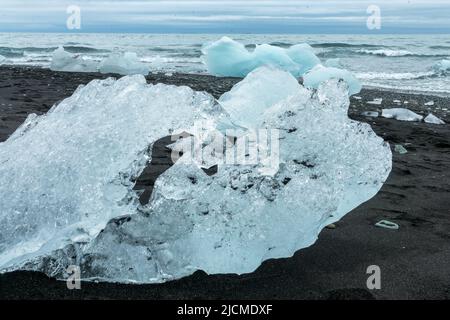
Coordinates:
[227,57]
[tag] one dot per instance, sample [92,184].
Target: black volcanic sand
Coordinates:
[414,260]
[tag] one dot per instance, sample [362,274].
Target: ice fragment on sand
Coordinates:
[387,225]
[400,149]
[401,114]
[431,118]
[376,101]
[83,157]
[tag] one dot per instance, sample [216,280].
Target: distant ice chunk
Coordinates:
[319,74]
[431,118]
[65,61]
[442,66]
[123,63]
[401,114]
[227,57]
[69,198]
[429,103]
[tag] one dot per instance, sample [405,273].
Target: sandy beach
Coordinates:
[414,259]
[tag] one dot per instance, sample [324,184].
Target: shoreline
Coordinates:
[414,259]
[163,73]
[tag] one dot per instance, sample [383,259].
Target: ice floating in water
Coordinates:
[69,174]
[431,118]
[319,74]
[65,61]
[401,114]
[227,57]
[125,64]
[376,101]
[429,103]
[442,66]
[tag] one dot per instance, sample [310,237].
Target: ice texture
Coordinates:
[319,74]
[442,66]
[65,61]
[401,114]
[247,101]
[121,63]
[2,59]
[126,63]
[227,57]
[431,118]
[68,177]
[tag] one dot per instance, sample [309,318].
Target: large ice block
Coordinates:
[67,178]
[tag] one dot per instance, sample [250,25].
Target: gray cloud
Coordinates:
[226,16]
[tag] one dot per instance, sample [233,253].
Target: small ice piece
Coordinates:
[429,103]
[65,61]
[400,149]
[431,118]
[356,97]
[376,101]
[401,114]
[397,101]
[168,74]
[406,102]
[442,66]
[372,114]
[335,63]
[319,74]
[124,64]
[227,57]
[387,225]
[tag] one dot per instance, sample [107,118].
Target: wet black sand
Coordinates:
[414,260]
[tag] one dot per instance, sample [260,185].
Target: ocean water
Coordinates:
[402,62]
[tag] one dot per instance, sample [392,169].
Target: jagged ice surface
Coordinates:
[68,174]
[65,61]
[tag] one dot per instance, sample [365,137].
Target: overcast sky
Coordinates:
[232,16]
